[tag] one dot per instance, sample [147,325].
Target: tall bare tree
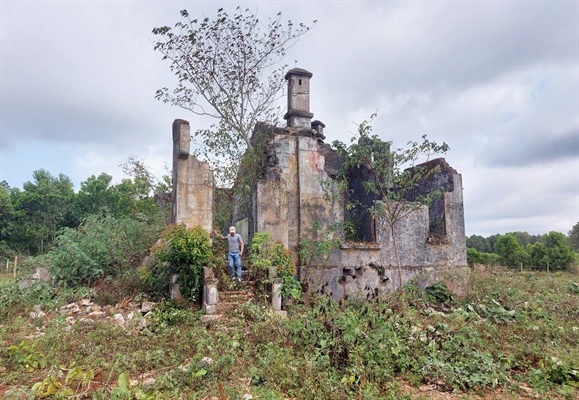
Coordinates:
[230,69]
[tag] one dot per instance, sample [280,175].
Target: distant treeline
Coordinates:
[31,218]
[552,250]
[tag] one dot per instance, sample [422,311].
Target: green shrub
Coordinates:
[263,255]
[440,293]
[258,255]
[17,299]
[474,256]
[282,261]
[99,247]
[156,279]
[186,252]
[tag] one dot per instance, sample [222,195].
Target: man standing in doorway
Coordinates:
[236,246]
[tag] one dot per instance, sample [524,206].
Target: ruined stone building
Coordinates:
[293,189]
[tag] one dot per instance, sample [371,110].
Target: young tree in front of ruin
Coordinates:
[392,177]
[229,69]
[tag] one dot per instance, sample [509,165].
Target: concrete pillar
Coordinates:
[276,294]
[193,183]
[210,295]
[210,298]
[298,98]
[175,288]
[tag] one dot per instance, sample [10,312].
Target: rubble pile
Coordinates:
[127,314]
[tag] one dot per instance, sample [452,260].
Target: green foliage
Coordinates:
[57,385]
[27,357]
[168,314]
[512,253]
[512,331]
[516,248]
[319,244]
[282,262]
[281,259]
[573,238]
[41,208]
[7,220]
[475,257]
[537,254]
[472,256]
[31,219]
[440,293]
[131,198]
[258,255]
[478,243]
[96,196]
[552,250]
[558,252]
[99,247]
[17,298]
[186,252]
[273,258]
[156,279]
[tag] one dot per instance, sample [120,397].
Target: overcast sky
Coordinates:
[496,80]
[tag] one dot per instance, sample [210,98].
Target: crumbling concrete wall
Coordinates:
[277,201]
[292,191]
[320,203]
[362,270]
[193,183]
[288,187]
[442,179]
[302,193]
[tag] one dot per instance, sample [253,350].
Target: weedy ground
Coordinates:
[514,336]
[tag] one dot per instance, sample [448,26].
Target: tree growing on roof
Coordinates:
[391,177]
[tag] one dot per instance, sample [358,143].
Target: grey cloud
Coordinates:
[496,80]
[438,47]
[532,149]
[536,199]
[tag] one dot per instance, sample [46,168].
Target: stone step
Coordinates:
[236,292]
[229,300]
[233,296]
[225,307]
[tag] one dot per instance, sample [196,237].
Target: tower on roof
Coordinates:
[298,98]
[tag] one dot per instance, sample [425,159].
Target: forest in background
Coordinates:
[551,251]
[32,218]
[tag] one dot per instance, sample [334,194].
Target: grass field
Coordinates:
[5,276]
[514,336]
